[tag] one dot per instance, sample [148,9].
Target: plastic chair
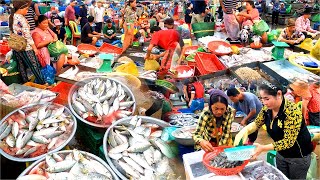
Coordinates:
[75,32]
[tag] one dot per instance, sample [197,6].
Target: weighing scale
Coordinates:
[106,64]
[278,50]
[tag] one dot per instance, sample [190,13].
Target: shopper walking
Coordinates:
[231,24]
[99,14]
[70,13]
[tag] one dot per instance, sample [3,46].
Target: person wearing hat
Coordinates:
[290,34]
[310,95]
[109,32]
[286,127]
[303,24]
[214,124]
[59,31]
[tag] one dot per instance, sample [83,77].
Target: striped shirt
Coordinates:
[230,5]
[30,18]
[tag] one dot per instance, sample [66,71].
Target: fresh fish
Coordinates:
[128,169]
[69,157]
[47,125]
[92,175]
[22,114]
[6,132]
[115,156]
[50,161]
[23,139]
[54,134]
[111,138]
[148,174]
[163,146]
[126,104]
[157,156]
[163,167]
[61,176]
[99,110]
[140,160]
[57,157]
[156,134]
[133,164]
[48,113]
[119,149]
[148,155]
[15,129]
[31,150]
[32,177]
[116,104]
[139,130]
[22,151]
[141,146]
[147,132]
[61,166]
[40,139]
[100,168]
[136,136]
[52,142]
[33,144]
[111,110]
[51,120]
[10,140]
[86,104]
[3,127]
[121,97]
[58,112]
[127,113]
[79,106]
[46,131]
[42,112]
[39,126]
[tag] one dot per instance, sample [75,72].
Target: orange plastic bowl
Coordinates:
[221,171]
[253,46]
[181,68]
[82,48]
[214,45]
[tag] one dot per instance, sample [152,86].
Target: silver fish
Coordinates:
[111,138]
[133,164]
[126,104]
[33,144]
[50,161]
[22,114]
[157,156]
[61,176]
[79,106]
[6,132]
[111,110]
[52,142]
[156,134]
[3,127]
[120,148]
[148,155]
[141,146]
[100,168]
[51,120]
[163,146]
[58,112]
[61,166]
[39,126]
[128,169]
[40,139]
[32,176]
[105,108]
[27,136]
[116,104]
[140,160]
[121,97]
[54,134]
[99,110]
[15,129]
[10,140]
[31,150]
[115,156]
[46,131]
[147,132]
[42,112]
[120,139]
[57,157]
[86,104]
[33,123]
[22,151]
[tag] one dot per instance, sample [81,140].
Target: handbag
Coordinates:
[16,42]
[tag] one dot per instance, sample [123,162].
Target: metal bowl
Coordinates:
[115,177]
[82,83]
[126,121]
[184,141]
[52,151]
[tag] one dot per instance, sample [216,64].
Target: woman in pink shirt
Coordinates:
[249,15]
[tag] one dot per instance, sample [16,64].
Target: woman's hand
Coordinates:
[206,146]
[261,148]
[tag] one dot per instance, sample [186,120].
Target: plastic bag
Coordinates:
[307,44]
[48,73]
[273,35]
[315,51]
[68,32]
[260,27]
[129,68]
[151,65]
[316,18]
[312,172]
[57,48]
[288,10]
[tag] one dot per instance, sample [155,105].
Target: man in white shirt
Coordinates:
[99,14]
[91,8]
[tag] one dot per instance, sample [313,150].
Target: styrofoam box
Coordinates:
[195,157]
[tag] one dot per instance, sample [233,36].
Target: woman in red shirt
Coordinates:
[310,95]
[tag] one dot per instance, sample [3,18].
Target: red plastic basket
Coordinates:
[214,45]
[108,48]
[208,63]
[82,47]
[221,171]
[189,48]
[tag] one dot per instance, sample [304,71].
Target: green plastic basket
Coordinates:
[90,137]
[203,29]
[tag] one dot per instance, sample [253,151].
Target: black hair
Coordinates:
[251,3]
[108,21]
[92,2]
[232,92]
[42,18]
[188,4]
[16,6]
[155,29]
[214,99]
[169,21]
[271,89]
[90,19]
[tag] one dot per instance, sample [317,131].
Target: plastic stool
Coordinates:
[316,26]
[271,157]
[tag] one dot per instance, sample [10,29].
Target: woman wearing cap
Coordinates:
[27,58]
[310,95]
[59,31]
[130,19]
[214,125]
[42,37]
[285,125]
[303,24]
[290,34]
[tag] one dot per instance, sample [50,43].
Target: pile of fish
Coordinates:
[138,153]
[221,161]
[71,165]
[70,73]
[150,75]
[184,133]
[186,74]
[33,131]
[223,49]
[261,171]
[88,52]
[94,62]
[181,120]
[102,101]
[27,97]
